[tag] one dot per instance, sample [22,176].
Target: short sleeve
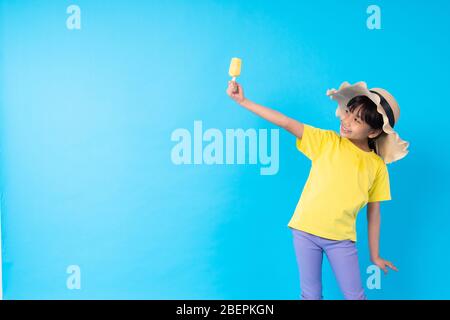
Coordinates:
[380,190]
[313,141]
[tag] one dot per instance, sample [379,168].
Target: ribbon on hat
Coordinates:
[387,109]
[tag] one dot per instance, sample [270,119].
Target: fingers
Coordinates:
[235,91]
[383,267]
[234,87]
[231,88]
[233,84]
[390,265]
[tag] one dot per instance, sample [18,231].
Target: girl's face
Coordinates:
[354,128]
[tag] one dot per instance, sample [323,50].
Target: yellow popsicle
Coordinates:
[235,68]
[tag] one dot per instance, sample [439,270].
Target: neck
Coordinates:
[362,144]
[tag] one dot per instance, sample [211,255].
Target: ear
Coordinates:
[373,133]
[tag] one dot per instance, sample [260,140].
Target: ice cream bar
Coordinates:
[235,68]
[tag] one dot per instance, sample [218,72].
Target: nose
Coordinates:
[344,120]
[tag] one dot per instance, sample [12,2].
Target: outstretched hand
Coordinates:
[384,264]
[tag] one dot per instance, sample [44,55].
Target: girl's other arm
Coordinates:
[374,221]
[293,126]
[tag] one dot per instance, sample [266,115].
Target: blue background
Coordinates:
[86,120]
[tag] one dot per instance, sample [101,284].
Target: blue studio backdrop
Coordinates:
[99,200]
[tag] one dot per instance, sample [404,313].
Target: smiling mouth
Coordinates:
[345,130]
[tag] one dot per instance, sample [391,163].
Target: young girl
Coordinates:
[348,171]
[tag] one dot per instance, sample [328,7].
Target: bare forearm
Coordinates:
[374,221]
[271,115]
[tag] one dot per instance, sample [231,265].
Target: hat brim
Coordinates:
[389,145]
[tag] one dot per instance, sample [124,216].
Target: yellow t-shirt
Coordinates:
[342,179]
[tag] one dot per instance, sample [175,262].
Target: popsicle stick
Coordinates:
[236,88]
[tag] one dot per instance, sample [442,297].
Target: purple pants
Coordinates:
[343,258]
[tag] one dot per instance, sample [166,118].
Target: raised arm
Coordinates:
[293,126]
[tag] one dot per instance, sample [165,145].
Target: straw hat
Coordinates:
[389,146]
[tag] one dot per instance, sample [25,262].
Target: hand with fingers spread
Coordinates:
[384,264]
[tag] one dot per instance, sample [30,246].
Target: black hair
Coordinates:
[369,114]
